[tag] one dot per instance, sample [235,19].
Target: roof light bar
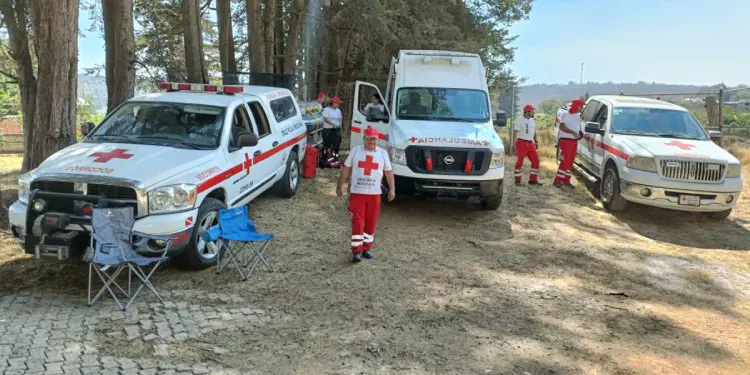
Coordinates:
[228,89]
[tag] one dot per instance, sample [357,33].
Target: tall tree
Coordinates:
[195,63]
[119,40]
[269,16]
[293,38]
[226,37]
[280,35]
[256,44]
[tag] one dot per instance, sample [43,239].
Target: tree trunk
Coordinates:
[191,25]
[325,46]
[278,61]
[55,25]
[226,36]
[120,51]
[255,37]
[294,37]
[269,15]
[14,15]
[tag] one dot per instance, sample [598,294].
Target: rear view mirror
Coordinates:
[87,128]
[594,127]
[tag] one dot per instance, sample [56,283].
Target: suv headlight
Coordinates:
[642,163]
[398,155]
[734,171]
[497,160]
[24,187]
[172,198]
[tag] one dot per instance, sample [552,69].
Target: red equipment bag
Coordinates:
[310,164]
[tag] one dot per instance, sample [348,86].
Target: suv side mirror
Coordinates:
[594,127]
[501,119]
[378,117]
[246,139]
[86,128]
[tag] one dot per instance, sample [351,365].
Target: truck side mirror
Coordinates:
[594,127]
[87,128]
[246,139]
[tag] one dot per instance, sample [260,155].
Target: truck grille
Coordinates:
[698,171]
[124,195]
[451,161]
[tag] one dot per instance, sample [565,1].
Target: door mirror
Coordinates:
[594,127]
[377,117]
[714,133]
[246,139]
[501,119]
[86,128]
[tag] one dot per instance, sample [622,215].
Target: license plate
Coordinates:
[690,200]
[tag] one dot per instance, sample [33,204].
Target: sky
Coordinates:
[665,41]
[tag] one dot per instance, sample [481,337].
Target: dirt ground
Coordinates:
[548,284]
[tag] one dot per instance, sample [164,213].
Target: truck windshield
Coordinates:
[439,104]
[167,124]
[657,122]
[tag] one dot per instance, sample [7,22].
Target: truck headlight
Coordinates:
[497,160]
[398,155]
[24,187]
[172,198]
[642,163]
[734,171]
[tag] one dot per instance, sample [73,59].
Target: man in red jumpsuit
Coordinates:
[367,165]
[570,132]
[526,143]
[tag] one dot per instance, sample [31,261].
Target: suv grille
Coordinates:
[698,171]
[448,160]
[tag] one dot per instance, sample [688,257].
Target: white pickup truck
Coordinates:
[176,157]
[655,153]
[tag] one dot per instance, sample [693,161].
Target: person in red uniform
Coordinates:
[570,132]
[526,143]
[367,164]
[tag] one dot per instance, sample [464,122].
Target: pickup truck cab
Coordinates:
[437,126]
[655,153]
[176,157]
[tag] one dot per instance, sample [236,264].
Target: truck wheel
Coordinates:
[287,186]
[721,215]
[491,203]
[610,191]
[198,255]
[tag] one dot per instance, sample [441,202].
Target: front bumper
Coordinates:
[177,226]
[669,198]
[450,188]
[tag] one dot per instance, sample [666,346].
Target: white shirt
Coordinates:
[333,115]
[526,128]
[378,107]
[367,169]
[573,122]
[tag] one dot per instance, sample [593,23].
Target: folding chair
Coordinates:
[114,251]
[234,225]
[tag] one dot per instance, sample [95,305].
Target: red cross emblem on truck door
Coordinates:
[368,165]
[247,163]
[683,146]
[103,157]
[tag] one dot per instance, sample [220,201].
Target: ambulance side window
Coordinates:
[240,123]
[261,120]
[590,110]
[601,116]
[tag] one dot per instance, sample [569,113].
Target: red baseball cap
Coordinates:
[528,107]
[370,132]
[336,100]
[321,96]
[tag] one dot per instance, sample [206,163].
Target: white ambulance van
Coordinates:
[437,126]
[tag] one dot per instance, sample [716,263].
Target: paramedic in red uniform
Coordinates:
[367,165]
[570,132]
[526,143]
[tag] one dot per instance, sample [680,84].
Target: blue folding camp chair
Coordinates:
[235,226]
[113,245]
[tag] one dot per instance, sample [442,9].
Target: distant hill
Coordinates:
[534,94]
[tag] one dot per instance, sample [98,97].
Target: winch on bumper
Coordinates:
[75,210]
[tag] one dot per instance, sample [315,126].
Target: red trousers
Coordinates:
[364,210]
[523,149]
[568,148]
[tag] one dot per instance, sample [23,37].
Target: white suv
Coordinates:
[176,157]
[655,153]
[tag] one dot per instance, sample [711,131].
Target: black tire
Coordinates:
[721,215]
[609,191]
[196,256]
[491,203]
[288,185]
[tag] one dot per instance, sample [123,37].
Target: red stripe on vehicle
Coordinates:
[223,176]
[619,153]
[380,135]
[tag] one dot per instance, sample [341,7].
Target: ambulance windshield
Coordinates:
[166,124]
[439,104]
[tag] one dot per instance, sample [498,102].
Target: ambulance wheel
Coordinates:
[287,186]
[610,191]
[199,254]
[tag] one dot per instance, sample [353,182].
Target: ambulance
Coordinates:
[436,126]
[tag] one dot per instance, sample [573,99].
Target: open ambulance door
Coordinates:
[363,93]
